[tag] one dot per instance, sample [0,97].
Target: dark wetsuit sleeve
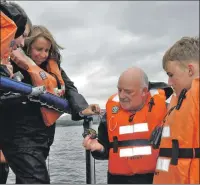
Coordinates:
[4,170]
[76,101]
[103,139]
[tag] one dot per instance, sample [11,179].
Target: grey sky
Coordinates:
[103,38]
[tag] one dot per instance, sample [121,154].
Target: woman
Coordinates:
[179,156]
[30,134]
[52,63]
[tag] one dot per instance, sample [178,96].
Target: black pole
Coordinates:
[90,161]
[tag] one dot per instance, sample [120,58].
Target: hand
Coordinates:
[91,110]
[19,58]
[92,144]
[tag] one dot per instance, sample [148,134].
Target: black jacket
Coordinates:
[22,124]
[103,139]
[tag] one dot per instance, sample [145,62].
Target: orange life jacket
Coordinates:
[52,68]
[179,156]
[40,77]
[7,32]
[131,152]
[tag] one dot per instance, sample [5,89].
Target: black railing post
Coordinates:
[90,161]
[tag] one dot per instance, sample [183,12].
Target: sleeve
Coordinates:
[8,99]
[11,99]
[103,139]
[7,31]
[76,101]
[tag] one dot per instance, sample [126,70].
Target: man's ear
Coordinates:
[191,70]
[144,91]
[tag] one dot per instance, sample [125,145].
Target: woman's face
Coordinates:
[39,50]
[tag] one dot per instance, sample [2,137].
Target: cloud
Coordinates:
[103,38]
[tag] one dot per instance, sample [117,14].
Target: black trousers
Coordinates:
[4,170]
[28,164]
[135,179]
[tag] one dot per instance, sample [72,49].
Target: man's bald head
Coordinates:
[135,76]
[132,88]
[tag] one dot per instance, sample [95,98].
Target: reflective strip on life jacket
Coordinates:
[129,152]
[138,127]
[163,164]
[166,132]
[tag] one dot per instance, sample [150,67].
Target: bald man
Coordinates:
[124,131]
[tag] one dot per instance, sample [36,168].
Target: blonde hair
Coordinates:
[184,51]
[41,31]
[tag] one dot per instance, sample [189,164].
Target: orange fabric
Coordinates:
[41,78]
[52,67]
[161,93]
[184,126]
[2,158]
[8,30]
[140,164]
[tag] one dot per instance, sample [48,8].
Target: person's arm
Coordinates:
[8,30]
[102,139]
[76,101]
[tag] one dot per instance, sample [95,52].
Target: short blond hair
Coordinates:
[184,51]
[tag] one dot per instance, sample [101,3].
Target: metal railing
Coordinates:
[90,161]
